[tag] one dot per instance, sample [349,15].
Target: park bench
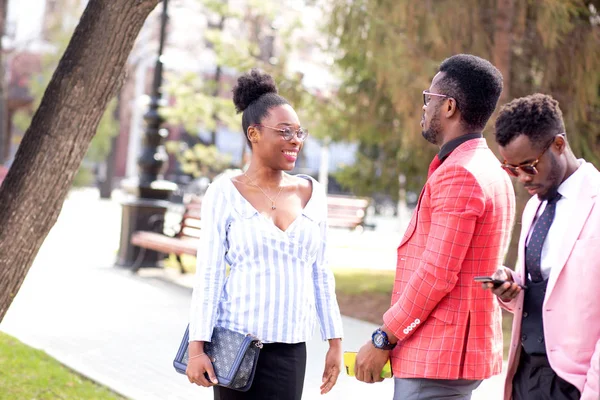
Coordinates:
[343,212]
[184,241]
[347,212]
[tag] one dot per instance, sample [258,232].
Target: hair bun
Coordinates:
[250,87]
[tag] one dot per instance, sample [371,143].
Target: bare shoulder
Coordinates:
[237,179]
[303,185]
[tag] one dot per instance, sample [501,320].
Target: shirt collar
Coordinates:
[317,197]
[570,188]
[310,210]
[454,143]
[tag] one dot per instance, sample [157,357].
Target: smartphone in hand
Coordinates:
[350,361]
[496,282]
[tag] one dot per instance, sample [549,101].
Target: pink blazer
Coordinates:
[571,308]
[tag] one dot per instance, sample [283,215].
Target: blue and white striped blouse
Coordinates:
[277,279]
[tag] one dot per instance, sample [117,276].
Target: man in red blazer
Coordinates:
[442,332]
[555,346]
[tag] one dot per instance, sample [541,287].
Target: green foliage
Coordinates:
[389,50]
[204,104]
[200,160]
[196,106]
[26,373]
[199,104]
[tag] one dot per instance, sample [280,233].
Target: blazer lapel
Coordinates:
[461,151]
[413,221]
[585,202]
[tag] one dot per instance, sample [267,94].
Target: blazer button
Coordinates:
[525,314]
[540,339]
[523,337]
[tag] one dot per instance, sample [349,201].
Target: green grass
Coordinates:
[27,373]
[347,280]
[353,281]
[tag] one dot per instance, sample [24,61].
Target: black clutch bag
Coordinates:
[234,357]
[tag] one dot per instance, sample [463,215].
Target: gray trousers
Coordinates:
[433,389]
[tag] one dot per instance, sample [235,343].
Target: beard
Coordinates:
[432,134]
[554,179]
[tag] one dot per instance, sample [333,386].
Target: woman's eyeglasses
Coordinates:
[288,132]
[529,168]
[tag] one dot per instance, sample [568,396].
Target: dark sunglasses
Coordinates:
[529,168]
[288,132]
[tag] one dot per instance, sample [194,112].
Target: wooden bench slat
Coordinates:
[192,223]
[164,244]
[346,211]
[343,212]
[190,232]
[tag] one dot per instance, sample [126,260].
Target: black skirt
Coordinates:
[279,375]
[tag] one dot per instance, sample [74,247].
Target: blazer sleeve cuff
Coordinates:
[400,323]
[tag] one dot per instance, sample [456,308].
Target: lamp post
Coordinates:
[147,204]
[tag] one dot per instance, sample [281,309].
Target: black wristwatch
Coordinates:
[380,340]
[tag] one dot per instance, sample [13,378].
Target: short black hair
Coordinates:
[253,95]
[537,116]
[476,86]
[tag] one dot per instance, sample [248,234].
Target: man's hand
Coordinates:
[333,365]
[370,362]
[508,290]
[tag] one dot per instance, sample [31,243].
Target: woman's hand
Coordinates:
[333,365]
[199,366]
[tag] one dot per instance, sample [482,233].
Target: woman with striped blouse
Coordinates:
[269,227]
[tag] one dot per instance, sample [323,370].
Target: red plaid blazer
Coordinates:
[448,326]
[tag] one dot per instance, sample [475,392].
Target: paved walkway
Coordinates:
[123,330]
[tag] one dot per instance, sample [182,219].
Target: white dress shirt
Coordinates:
[278,281]
[565,207]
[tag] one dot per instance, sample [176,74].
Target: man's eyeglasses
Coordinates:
[427,96]
[288,132]
[529,168]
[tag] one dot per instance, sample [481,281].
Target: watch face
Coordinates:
[378,340]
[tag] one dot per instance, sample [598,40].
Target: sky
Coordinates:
[25,19]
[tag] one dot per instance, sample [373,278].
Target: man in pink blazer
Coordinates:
[555,344]
[442,332]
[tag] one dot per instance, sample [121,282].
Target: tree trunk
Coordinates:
[4,126]
[501,56]
[505,13]
[87,77]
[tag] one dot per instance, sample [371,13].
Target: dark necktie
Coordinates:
[533,254]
